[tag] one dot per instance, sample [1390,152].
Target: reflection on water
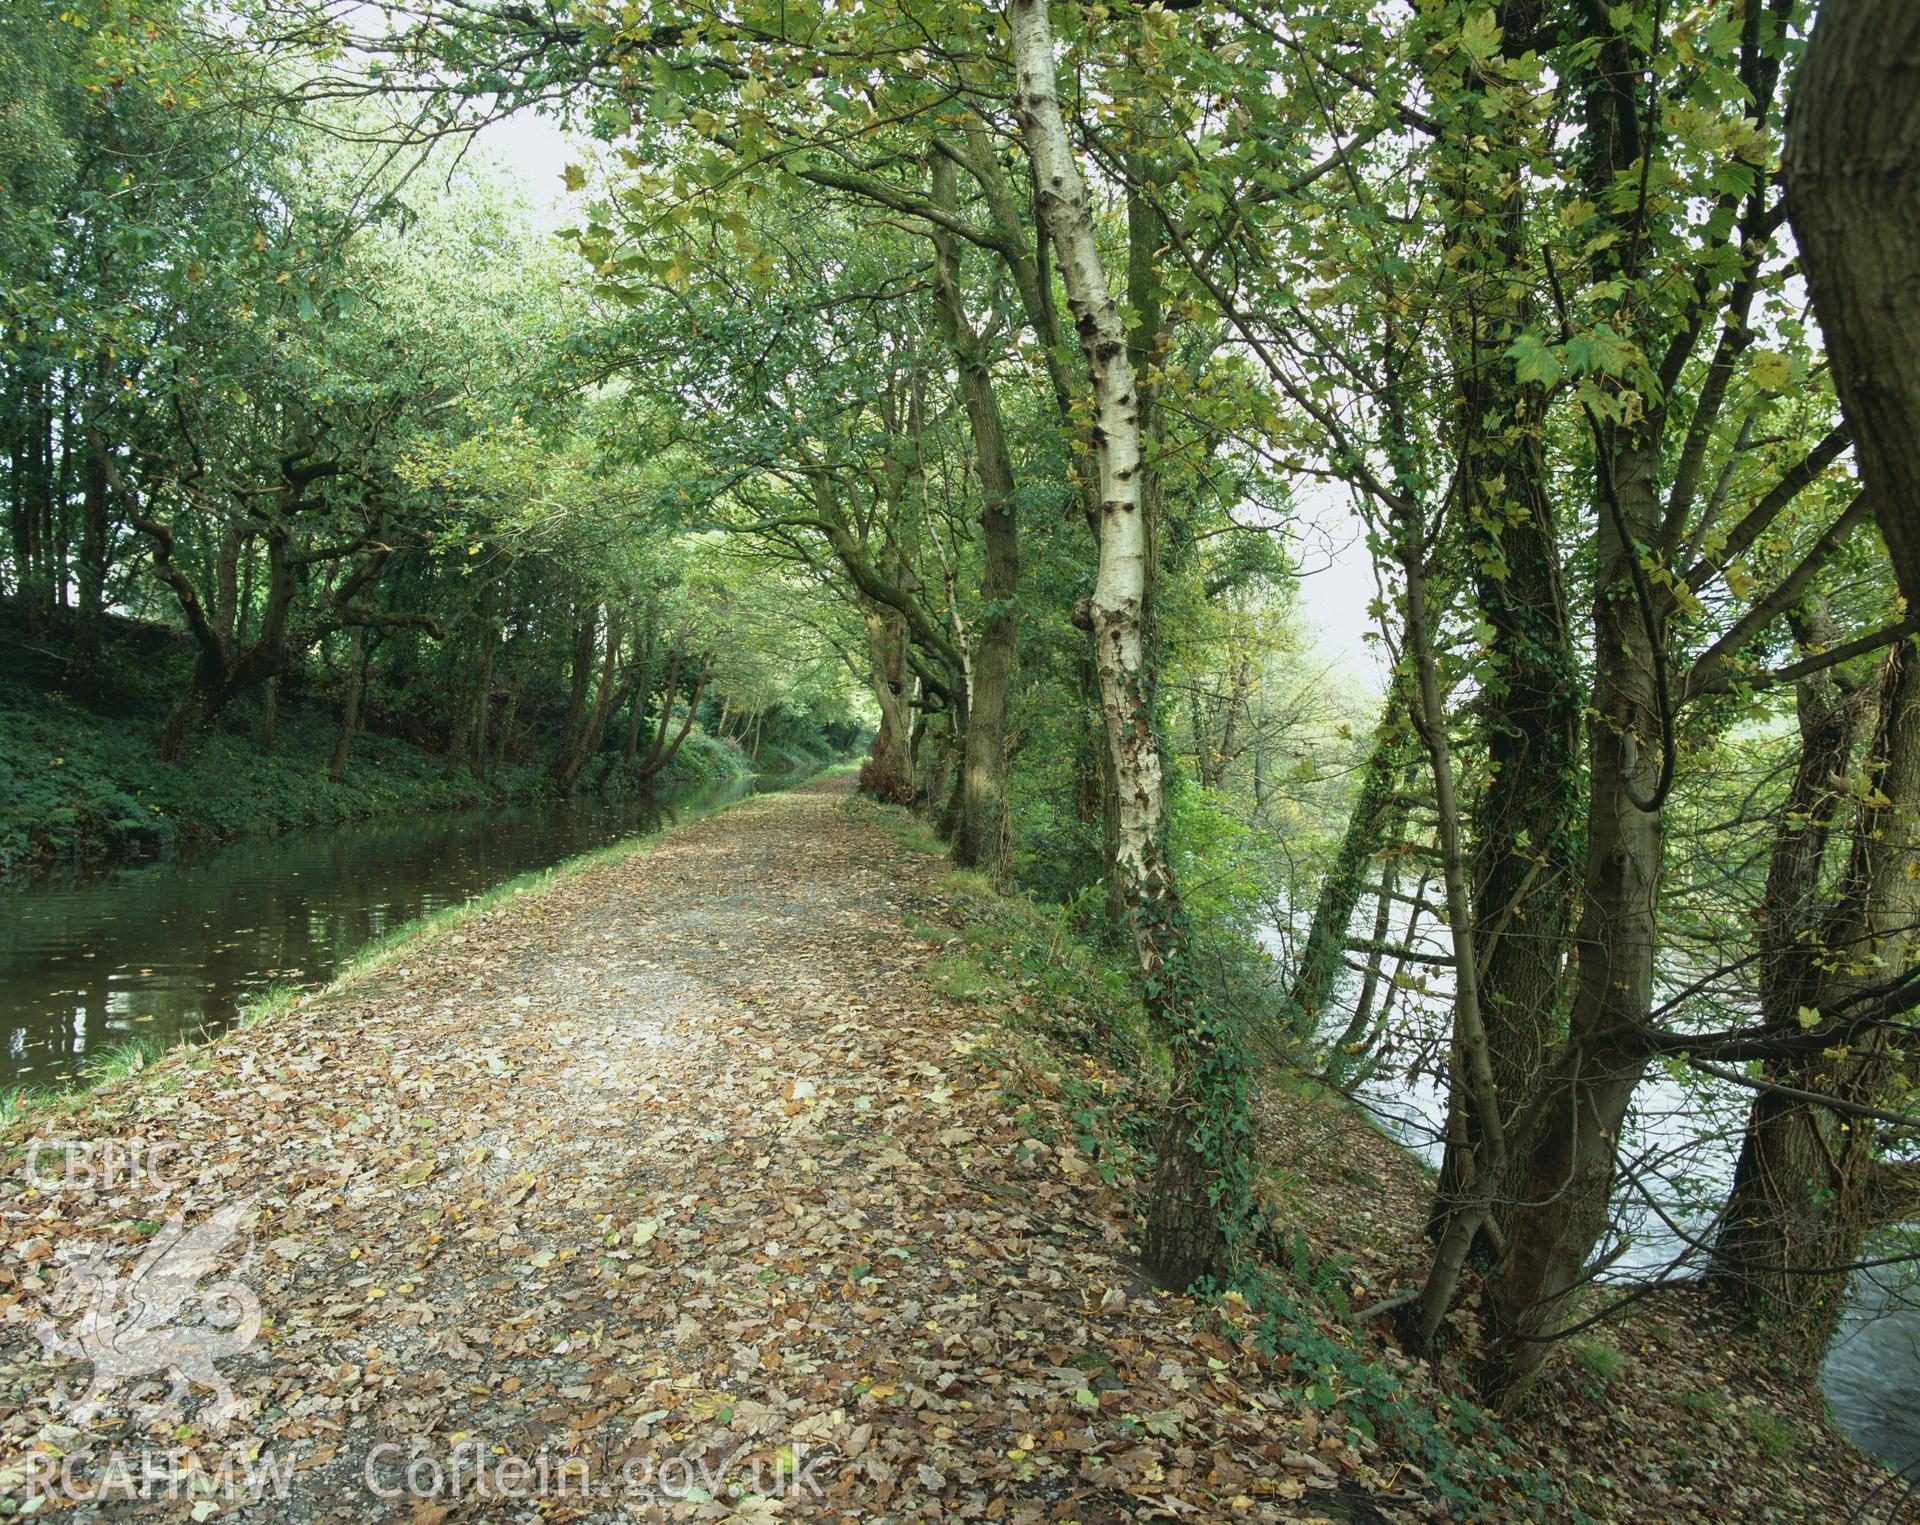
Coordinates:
[168,949]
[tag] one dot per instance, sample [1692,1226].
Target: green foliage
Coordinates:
[1027,961]
[1223,861]
[1769,1432]
[1602,1360]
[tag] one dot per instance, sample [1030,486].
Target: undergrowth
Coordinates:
[1072,1041]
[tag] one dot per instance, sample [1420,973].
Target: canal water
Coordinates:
[174,948]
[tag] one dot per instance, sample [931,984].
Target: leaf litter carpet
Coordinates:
[665,1191]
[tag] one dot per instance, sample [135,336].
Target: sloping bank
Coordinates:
[762,1167]
[79,781]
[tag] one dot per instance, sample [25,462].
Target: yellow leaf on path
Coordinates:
[706,1405]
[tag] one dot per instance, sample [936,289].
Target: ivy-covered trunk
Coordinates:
[1201,1183]
[1522,821]
[1564,1145]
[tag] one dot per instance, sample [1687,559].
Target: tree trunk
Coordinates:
[504,737]
[1201,1183]
[19,519]
[1473,1197]
[1852,166]
[482,710]
[226,585]
[192,710]
[269,712]
[95,530]
[641,682]
[349,702]
[603,701]
[888,772]
[221,671]
[1564,1160]
[982,838]
[946,779]
[585,635]
[1522,827]
[467,726]
[459,723]
[636,712]
[658,762]
[1523,823]
[36,494]
[1374,819]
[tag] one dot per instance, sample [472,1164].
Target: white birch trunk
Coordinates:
[1184,1237]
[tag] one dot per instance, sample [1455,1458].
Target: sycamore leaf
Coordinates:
[1480,37]
[1771,372]
[1533,362]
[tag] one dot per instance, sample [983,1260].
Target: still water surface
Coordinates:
[174,948]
